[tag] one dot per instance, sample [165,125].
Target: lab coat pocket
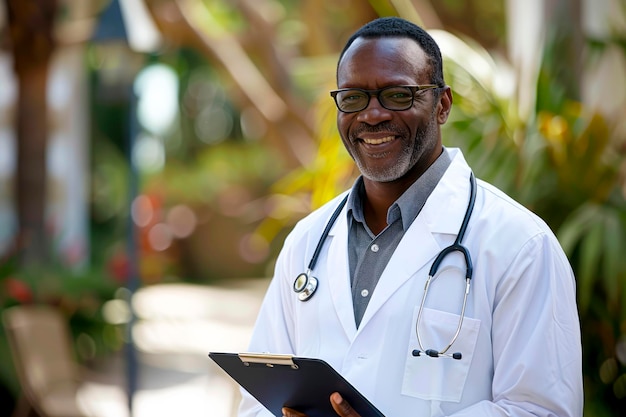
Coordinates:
[440,379]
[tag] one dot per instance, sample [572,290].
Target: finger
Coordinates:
[288,412]
[341,407]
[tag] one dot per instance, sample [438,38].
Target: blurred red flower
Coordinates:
[18,290]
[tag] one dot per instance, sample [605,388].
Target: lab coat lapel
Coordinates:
[339,273]
[415,251]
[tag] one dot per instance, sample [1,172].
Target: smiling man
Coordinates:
[434,294]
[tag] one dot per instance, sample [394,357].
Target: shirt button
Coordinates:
[365,293]
[374,247]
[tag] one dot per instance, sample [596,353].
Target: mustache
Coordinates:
[382,127]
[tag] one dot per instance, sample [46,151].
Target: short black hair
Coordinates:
[387,27]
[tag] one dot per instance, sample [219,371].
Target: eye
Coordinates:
[352,95]
[397,94]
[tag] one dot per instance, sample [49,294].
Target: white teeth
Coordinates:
[378,141]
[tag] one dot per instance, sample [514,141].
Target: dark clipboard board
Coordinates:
[304,384]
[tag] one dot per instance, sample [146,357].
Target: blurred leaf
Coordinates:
[590,248]
[614,254]
[384,7]
[576,226]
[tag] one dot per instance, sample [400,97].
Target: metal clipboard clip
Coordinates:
[269,360]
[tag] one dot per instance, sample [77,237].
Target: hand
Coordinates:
[341,407]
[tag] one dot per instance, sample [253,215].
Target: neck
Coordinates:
[379,196]
[377,200]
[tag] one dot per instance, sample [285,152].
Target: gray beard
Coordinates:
[394,172]
[407,160]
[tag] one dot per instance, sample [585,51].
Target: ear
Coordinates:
[444,106]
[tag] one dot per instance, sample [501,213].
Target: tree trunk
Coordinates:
[31,29]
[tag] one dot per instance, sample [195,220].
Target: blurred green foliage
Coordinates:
[562,160]
[78,294]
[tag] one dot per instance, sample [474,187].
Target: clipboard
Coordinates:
[303,384]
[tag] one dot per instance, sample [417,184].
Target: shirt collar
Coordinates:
[410,203]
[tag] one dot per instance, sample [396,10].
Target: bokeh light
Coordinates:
[619,387]
[213,125]
[253,248]
[142,211]
[116,311]
[156,87]
[160,237]
[608,371]
[149,153]
[253,125]
[182,221]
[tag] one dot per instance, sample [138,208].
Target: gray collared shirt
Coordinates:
[369,254]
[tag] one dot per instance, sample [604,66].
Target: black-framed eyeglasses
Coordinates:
[396,98]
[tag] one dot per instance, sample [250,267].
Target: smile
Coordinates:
[378,141]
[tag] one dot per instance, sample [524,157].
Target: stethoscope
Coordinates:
[306,284]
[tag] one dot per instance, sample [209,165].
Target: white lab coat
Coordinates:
[520,339]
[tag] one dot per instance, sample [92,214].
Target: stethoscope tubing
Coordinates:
[457,246]
[329,225]
[305,284]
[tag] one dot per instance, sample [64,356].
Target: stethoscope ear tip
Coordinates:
[434,354]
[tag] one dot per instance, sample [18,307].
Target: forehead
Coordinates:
[383,60]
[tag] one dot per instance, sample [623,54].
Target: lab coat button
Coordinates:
[374,248]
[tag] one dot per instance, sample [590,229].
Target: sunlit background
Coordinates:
[155,153]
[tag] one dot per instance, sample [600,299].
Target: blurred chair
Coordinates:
[44,362]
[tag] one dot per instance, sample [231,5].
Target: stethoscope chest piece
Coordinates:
[305,286]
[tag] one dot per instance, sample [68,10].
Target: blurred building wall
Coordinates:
[67,155]
[604,83]
[8,93]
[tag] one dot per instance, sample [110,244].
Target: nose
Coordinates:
[374,113]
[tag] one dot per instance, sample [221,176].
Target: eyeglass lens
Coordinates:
[391,98]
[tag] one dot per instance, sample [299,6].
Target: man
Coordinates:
[518,350]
